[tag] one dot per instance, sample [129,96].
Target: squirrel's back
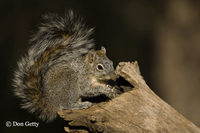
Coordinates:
[58,39]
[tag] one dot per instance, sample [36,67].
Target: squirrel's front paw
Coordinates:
[112,92]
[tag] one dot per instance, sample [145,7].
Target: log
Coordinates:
[137,111]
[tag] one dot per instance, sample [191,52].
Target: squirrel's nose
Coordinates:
[115,76]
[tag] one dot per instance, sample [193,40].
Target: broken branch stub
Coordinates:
[136,111]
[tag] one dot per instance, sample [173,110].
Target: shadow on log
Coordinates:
[137,111]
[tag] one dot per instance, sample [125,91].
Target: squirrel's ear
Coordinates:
[103,49]
[91,55]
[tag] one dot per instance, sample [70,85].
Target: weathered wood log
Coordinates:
[137,111]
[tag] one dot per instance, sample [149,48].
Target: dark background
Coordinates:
[163,36]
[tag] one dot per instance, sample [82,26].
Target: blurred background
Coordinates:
[163,36]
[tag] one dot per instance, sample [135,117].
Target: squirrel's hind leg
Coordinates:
[79,105]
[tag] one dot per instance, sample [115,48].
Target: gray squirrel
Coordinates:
[61,68]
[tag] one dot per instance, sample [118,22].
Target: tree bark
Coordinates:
[136,111]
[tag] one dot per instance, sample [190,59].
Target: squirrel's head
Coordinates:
[100,66]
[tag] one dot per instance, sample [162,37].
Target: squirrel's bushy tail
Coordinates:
[58,39]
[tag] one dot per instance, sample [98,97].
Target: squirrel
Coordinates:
[61,68]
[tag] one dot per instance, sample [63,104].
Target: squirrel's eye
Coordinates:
[100,67]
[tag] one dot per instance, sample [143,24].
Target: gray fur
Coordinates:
[56,73]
